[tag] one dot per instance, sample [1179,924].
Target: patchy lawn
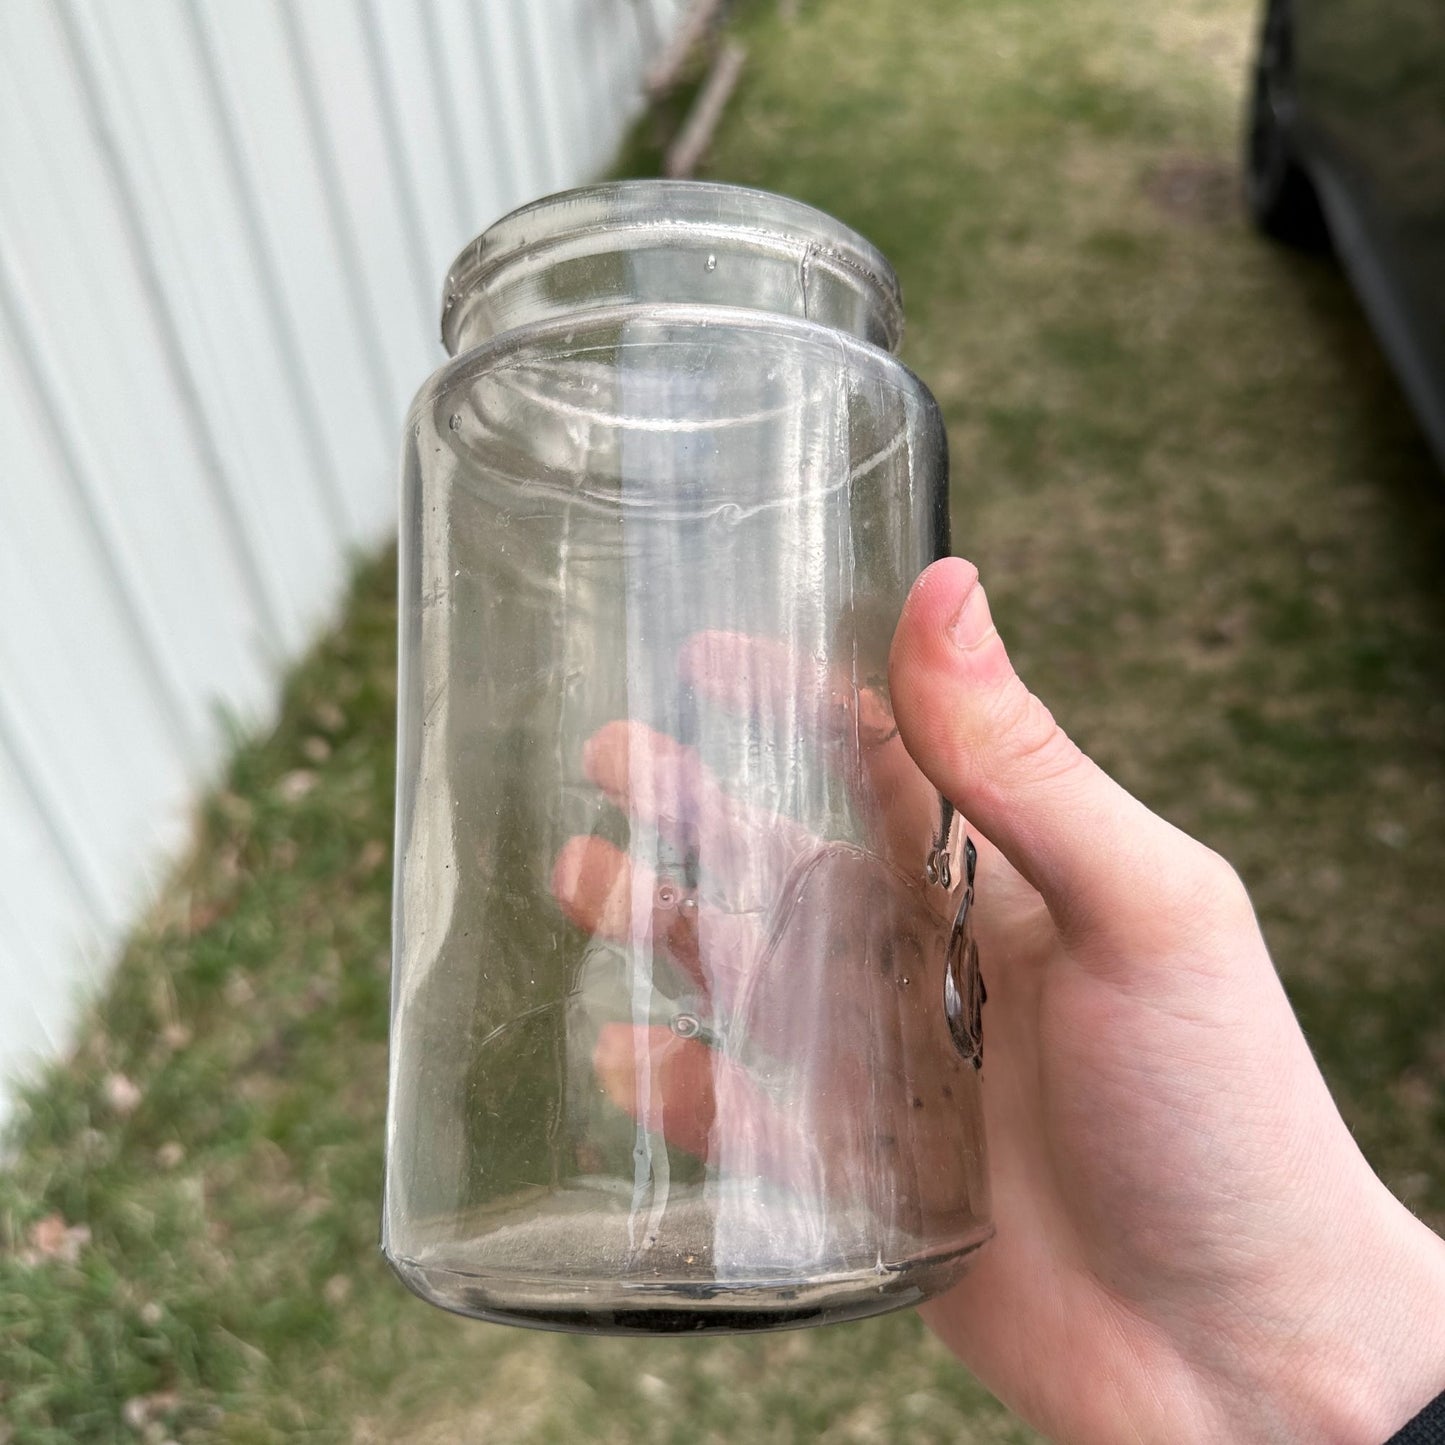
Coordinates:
[1215,542]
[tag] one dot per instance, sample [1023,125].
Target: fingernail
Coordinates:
[972,623]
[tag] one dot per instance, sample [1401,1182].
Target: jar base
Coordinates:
[690,1307]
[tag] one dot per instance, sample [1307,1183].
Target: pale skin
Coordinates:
[1190,1245]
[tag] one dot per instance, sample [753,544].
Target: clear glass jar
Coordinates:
[685,1011]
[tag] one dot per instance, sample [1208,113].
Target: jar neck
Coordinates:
[640,242]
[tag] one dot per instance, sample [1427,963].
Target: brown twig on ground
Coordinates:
[693,140]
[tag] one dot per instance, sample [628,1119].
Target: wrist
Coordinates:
[1361,1350]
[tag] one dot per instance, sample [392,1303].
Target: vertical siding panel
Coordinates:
[109,552]
[460,162]
[326,279]
[319,468]
[410,192]
[619,56]
[260,588]
[223,231]
[567,40]
[69,254]
[620,60]
[487,147]
[538,47]
[76,717]
[64,839]
[39,923]
[515,101]
[171,163]
[331,52]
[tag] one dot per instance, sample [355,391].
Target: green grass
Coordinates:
[1215,543]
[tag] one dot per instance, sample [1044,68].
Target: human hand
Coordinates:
[1190,1246]
[813,1051]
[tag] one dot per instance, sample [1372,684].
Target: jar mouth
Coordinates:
[562,383]
[645,241]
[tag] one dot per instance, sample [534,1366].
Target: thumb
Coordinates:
[1101,860]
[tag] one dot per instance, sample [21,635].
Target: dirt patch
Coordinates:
[1194,189]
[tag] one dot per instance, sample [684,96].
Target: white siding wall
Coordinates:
[224,227]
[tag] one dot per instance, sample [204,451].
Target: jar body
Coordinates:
[684,1028]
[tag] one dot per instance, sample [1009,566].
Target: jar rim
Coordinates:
[668,208]
[576,332]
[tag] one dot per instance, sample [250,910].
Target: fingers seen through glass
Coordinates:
[767,680]
[602,890]
[743,851]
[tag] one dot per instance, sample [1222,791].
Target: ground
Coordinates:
[1214,540]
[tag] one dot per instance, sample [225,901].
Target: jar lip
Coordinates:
[567,338]
[579,333]
[663,207]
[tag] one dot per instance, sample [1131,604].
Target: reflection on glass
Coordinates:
[676,1029]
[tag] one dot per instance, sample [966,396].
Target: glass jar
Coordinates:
[685,1027]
